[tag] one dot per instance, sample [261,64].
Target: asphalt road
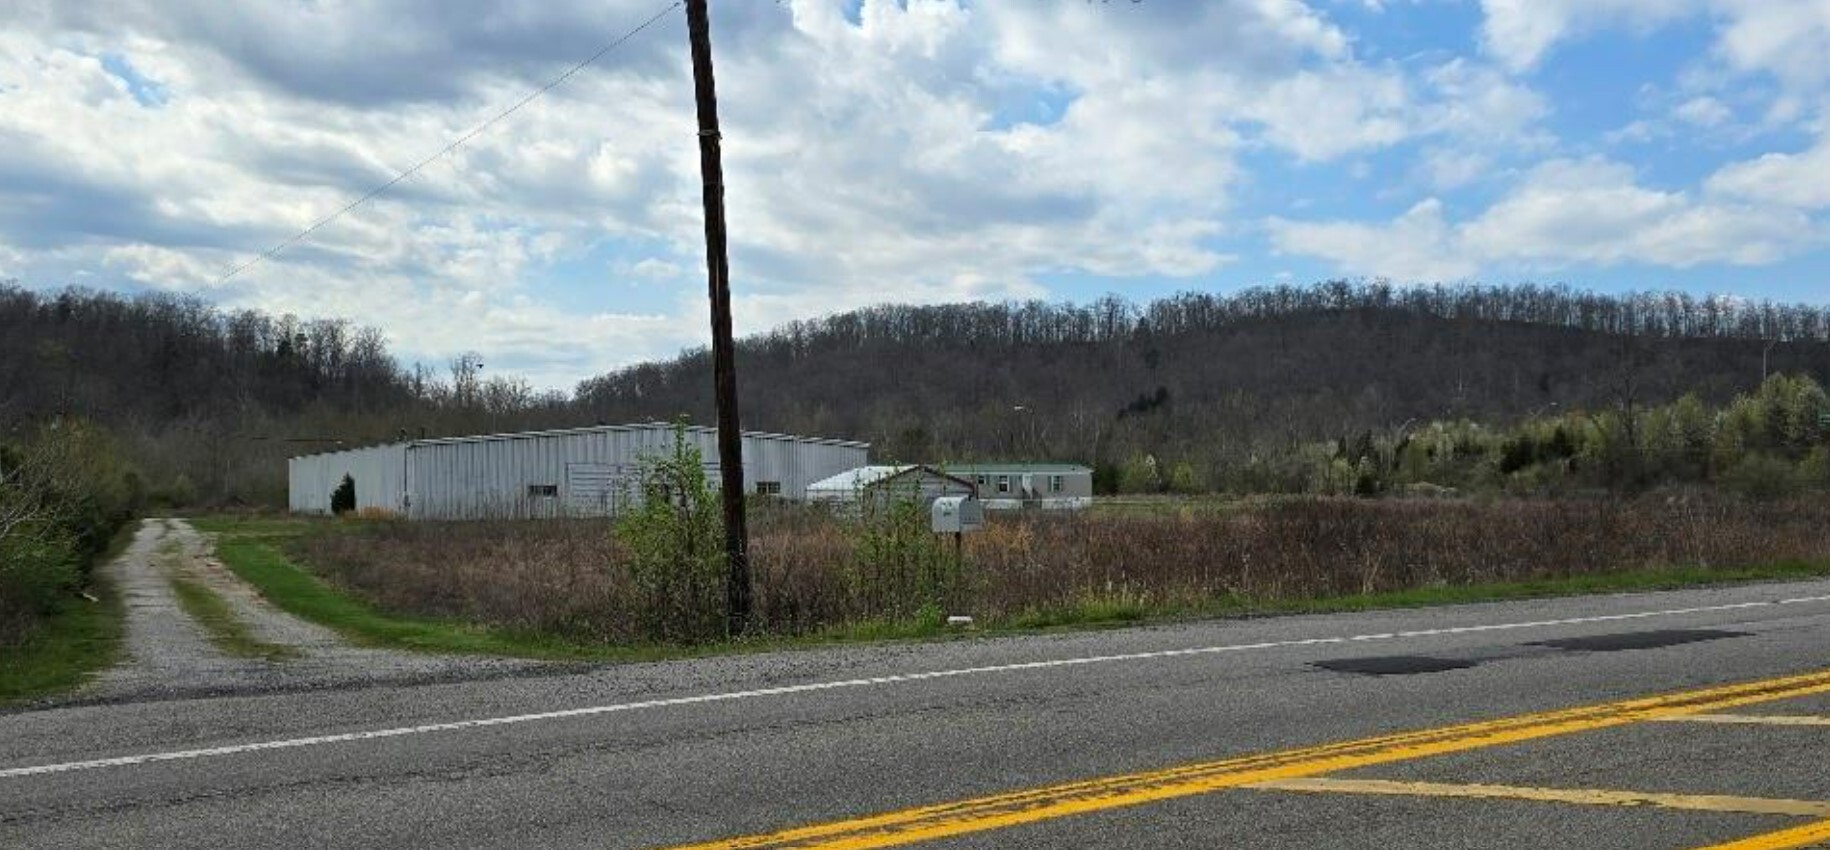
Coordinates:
[1135,738]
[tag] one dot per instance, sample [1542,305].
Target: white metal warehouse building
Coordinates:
[575,472]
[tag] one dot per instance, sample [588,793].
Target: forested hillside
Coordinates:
[208,403]
[1214,381]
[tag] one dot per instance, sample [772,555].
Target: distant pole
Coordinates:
[724,366]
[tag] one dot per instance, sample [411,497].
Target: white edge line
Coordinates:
[899,678]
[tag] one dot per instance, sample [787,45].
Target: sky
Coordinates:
[919,151]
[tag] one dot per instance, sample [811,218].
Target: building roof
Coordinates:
[855,479]
[851,481]
[595,429]
[1018,468]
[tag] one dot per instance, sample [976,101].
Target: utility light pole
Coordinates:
[724,366]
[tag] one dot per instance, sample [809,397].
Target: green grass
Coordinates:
[218,619]
[252,549]
[71,645]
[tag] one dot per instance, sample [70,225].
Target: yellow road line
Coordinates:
[1752,719]
[1577,796]
[1799,836]
[1005,810]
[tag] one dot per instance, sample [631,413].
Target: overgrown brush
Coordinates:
[814,571]
[673,548]
[64,492]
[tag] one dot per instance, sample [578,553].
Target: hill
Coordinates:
[1212,380]
[210,402]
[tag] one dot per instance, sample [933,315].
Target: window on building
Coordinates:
[543,489]
[1054,483]
[769,488]
[984,480]
[1003,484]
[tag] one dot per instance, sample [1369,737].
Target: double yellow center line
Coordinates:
[1005,810]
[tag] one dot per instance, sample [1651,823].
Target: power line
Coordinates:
[554,83]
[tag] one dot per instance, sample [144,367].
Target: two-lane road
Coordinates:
[1684,719]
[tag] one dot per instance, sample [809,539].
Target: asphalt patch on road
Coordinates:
[1411,665]
[1638,640]
[1396,665]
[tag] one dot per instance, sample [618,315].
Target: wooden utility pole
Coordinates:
[724,366]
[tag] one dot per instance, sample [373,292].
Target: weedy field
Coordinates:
[816,574]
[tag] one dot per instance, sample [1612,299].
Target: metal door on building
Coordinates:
[595,489]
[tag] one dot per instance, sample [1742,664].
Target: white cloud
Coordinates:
[655,268]
[1323,116]
[1786,38]
[1416,246]
[1563,213]
[1444,170]
[1800,180]
[1705,112]
[1477,102]
[1593,211]
[1520,32]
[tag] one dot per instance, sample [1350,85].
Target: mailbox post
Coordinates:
[957,515]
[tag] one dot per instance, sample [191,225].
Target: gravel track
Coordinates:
[168,655]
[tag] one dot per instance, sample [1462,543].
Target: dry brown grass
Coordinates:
[561,577]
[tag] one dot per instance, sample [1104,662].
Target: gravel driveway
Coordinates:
[169,655]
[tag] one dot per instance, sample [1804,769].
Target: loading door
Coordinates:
[595,489]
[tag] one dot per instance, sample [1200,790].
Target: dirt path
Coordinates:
[169,654]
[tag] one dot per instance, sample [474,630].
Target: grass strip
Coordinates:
[69,646]
[251,548]
[217,617]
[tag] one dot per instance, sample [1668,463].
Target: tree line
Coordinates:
[209,402]
[1211,384]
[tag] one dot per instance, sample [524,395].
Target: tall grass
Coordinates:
[561,577]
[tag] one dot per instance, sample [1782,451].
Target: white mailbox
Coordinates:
[957,514]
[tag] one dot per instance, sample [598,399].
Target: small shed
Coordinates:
[921,483]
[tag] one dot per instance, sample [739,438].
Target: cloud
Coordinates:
[859,154]
[1416,246]
[1562,214]
[1799,180]
[1705,112]
[1786,38]
[1593,211]
[1444,170]
[914,150]
[1520,32]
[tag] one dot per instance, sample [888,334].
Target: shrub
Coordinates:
[1762,477]
[180,493]
[899,565]
[343,499]
[674,539]
[63,495]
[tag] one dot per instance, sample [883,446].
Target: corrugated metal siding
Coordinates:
[379,473]
[577,472]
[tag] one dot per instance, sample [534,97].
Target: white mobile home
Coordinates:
[562,473]
[1010,486]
